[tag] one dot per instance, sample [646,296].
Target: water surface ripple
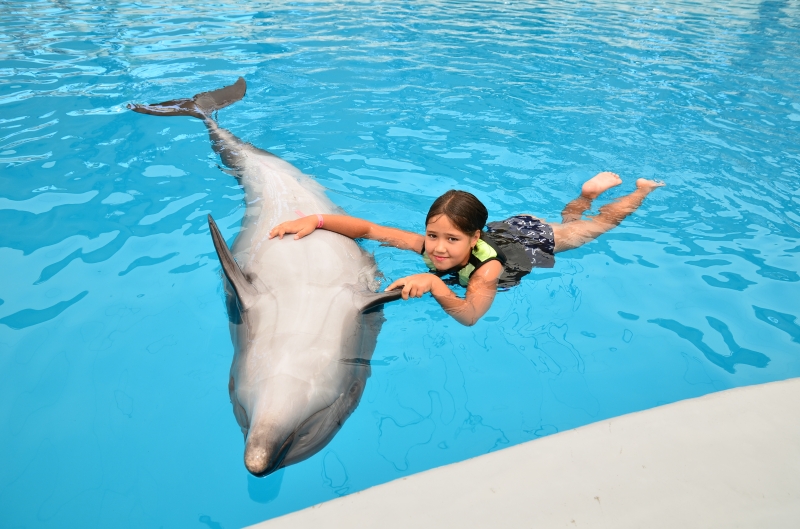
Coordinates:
[114,347]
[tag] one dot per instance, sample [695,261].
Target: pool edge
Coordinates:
[730,458]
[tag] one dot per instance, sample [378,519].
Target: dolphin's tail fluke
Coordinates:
[200,106]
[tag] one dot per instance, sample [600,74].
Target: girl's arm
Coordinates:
[466,311]
[350,227]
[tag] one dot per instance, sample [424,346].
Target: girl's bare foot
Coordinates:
[599,183]
[648,185]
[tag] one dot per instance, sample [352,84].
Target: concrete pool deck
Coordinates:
[727,459]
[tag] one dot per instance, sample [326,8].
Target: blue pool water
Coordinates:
[114,346]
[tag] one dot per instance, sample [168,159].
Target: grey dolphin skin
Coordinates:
[304,317]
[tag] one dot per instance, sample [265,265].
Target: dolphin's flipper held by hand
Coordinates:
[200,106]
[368,300]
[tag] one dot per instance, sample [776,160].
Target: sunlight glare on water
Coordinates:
[114,344]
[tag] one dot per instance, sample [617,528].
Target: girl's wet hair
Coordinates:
[464,210]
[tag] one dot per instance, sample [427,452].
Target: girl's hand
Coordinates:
[301,227]
[415,286]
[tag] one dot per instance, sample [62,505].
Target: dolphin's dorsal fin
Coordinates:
[244,289]
[366,300]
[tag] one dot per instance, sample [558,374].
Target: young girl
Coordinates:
[455,245]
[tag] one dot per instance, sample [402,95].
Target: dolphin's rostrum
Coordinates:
[304,317]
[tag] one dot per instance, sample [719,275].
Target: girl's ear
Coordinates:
[474,239]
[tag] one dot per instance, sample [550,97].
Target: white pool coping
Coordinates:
[728,459]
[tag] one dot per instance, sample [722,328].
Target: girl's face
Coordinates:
[446,245]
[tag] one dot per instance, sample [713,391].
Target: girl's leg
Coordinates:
[574,233]
[591,189]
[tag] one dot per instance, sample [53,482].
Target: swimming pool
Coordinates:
[114,347]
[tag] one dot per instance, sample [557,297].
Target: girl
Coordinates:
[456,247]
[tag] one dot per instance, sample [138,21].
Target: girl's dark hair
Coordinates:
[464,210]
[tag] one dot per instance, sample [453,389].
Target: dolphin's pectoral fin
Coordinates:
[200,106]
[366,300]
[244,289]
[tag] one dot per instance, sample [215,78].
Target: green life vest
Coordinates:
[485,251]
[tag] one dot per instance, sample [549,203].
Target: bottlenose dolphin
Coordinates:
[304,315]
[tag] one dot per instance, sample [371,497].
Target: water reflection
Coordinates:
[738,354]
[733,281]
[784,322]
[264,490]
[29,317]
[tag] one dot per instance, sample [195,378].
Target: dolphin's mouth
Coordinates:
[261,460]
[272,463]
[356,361]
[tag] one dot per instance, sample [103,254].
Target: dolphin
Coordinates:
[304,315]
